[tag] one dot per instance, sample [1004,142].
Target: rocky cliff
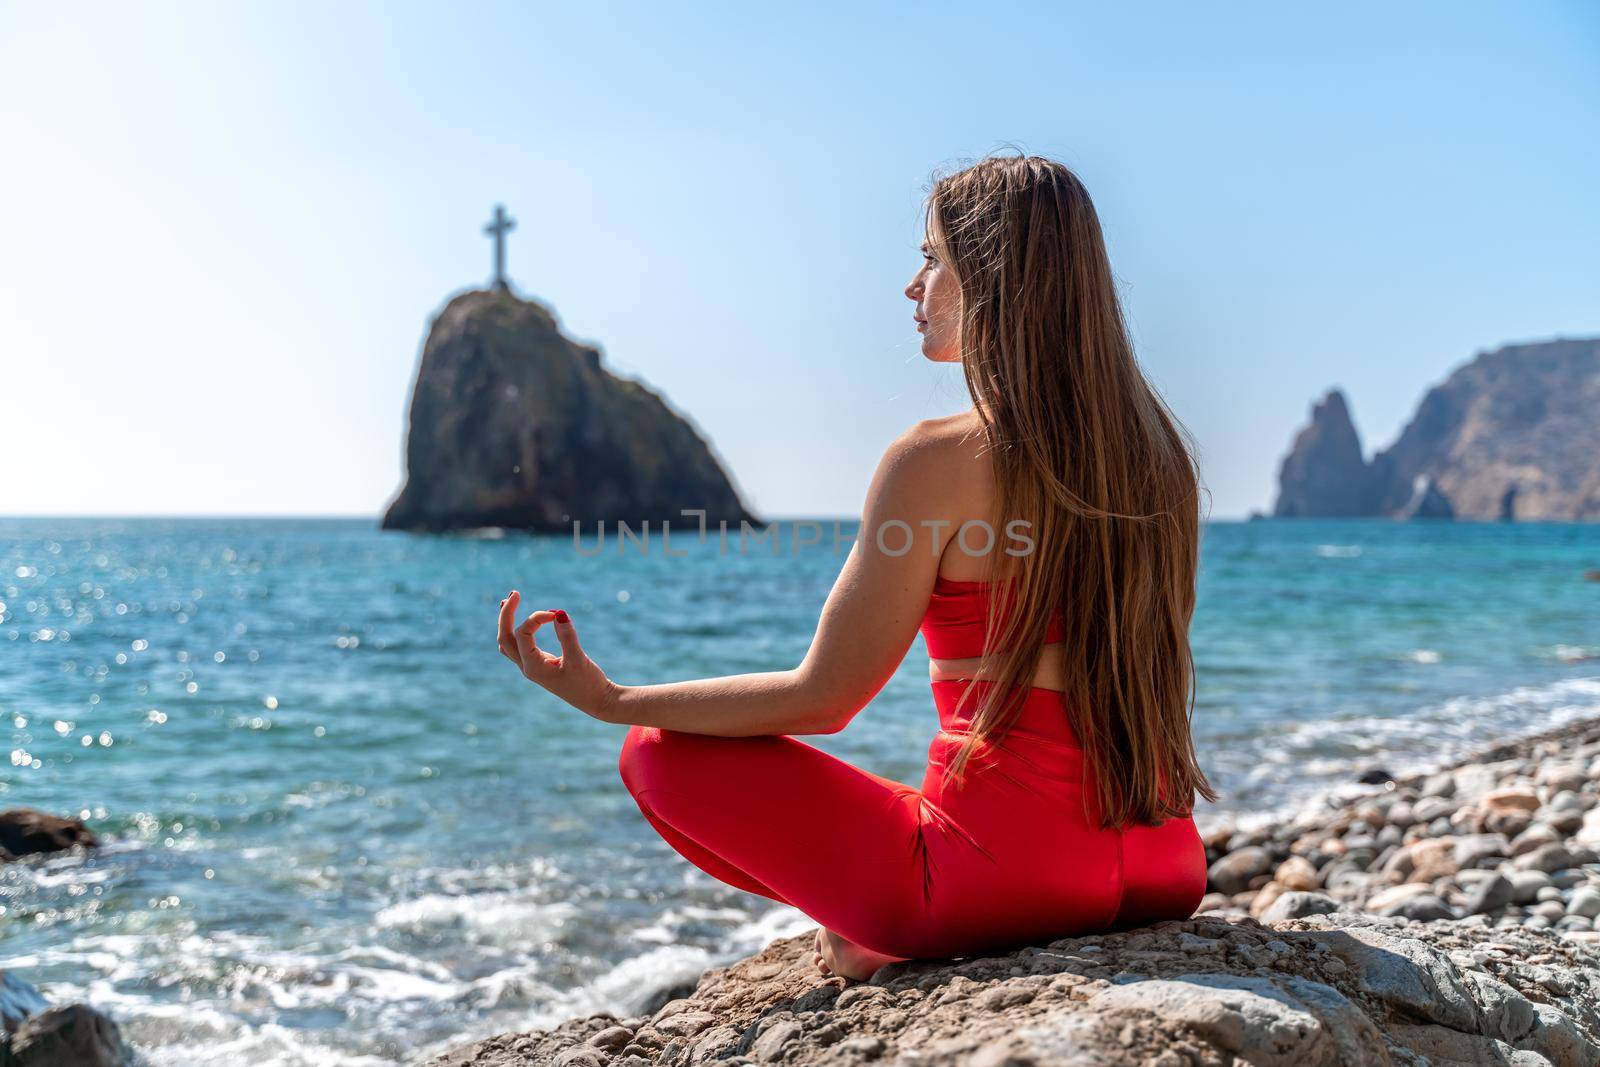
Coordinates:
[514,424]
[1511,435]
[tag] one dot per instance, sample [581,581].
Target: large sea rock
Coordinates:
[1327,990]
[513,424]
[1511,435]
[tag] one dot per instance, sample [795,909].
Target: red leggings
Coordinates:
[1011,857]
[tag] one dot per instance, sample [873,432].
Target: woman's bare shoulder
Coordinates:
[946,436]
[944,459]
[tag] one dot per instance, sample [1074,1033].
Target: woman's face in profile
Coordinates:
[938,312]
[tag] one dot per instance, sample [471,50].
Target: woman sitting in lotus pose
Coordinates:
[1045,542]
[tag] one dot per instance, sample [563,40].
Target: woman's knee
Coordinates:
[651,757]
[638,753]
[654,758]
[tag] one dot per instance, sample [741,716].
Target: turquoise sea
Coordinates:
[342,829]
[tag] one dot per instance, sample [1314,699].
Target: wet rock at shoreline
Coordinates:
[69,1035]
[28,831]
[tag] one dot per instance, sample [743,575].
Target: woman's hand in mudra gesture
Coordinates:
[572,676]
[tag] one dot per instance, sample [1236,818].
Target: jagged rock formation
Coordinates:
[513,424]
[1325,474]
[1511,435]
[1446,918]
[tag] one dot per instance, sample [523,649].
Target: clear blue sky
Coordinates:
[226,226]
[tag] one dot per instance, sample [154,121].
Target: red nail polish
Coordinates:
[561,616]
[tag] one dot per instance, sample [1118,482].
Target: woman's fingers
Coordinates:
[536,663]
[508,640]
[567,634]
[572,676]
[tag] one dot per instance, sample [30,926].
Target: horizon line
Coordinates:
[377,519]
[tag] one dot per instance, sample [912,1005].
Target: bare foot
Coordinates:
[817,958]
[835,955]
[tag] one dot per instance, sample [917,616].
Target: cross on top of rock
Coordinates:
[498,227]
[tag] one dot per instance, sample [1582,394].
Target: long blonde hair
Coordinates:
[1088,453]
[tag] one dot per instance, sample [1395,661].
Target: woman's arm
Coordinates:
[867,624]
[868,621]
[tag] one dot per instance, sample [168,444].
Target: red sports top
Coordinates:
[954,625]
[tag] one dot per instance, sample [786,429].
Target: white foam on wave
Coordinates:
[665,929]
[1571,653]
[756,933]
[626,987]
[623,990]
[266,1045]
[506,917]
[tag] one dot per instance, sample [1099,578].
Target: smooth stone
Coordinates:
[1546,858]
[1526,885]
[1470,848]
[1565,823]
[1566,800]
[1514,798]
[1569,877]
[1535,836]
[1384,901]
[1562,776]
[1365,856]
[1424,908]
[1433,858]
[1232,873]
[1442,784]
[1297,904]
[1430,808]
[1298,873]
[1490,895]
[1509,822]
[1585,902]
[1550,910]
